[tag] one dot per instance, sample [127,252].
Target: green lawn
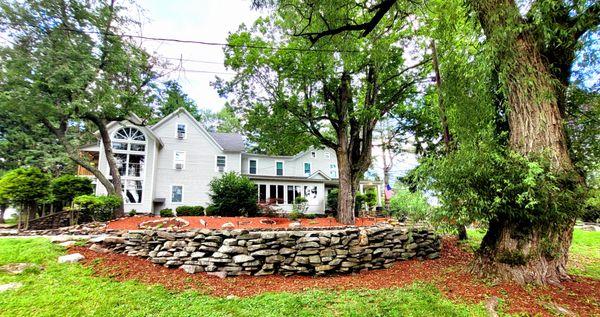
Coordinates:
[584,256]
[71,290]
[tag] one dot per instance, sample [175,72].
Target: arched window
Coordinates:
[129,149]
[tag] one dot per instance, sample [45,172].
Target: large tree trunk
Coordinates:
[2,211]
[112,164]
[525,253]
[519,251]
[347,190]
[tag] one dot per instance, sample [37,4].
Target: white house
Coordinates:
[172,162]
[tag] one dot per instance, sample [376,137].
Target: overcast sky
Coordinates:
[199,20]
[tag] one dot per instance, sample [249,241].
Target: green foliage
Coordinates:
[211,210]
[132,212]
[332,199]
[38,250]
[67,187]
[294,215]
[407,204]
[190,211]
[371,197]
[96,208]
[486,183]
[172,98]
[25,186]
[233,195]
[167,212]
[592,206]
[359,201]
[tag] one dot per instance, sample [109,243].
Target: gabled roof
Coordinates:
[233,142]
[319,173]
[229,142]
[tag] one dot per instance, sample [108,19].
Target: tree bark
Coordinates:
[112,164]
[519,251]
[347,190]
[2,211]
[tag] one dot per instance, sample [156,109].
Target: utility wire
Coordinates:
[185,41]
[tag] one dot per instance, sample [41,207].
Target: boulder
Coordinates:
[67,244]
[219,274]
[97,248]
[228,225]
[70,258]
[10,286]
[18,268]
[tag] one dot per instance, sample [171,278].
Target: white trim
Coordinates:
[175,159]
[171,194]
[185,130]
[256,166]
[216,163]
[282,168]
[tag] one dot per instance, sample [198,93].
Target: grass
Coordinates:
[584,255]
[72,290]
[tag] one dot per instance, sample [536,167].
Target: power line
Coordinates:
[197,71]
[185,41]
[192,60]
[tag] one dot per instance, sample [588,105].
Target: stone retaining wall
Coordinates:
[240,252]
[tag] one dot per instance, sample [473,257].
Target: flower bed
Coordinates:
[248,223]
[168,223]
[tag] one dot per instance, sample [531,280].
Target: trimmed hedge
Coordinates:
[167,212]
[190,211]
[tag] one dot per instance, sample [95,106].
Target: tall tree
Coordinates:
[532,54]
[333,94]
[67,68]
[172,98]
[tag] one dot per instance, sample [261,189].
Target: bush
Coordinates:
[167,212]
[405,204]
[67,187]
[132,212]
[294,215]
[592,206]
[233,195]
[371,197]
[210,210]
[190,211]
[332,200]
[96,208]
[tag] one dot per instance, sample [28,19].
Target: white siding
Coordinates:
[200,162]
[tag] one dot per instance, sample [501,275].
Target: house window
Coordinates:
[133,191]
[221,163]
[313,154]
[307,169]
[279,168]
[129,146]
[179,160]
[310,192]
[333,171]
[272,194]
[327,155]
[252,166]
[176,193]
[280,189]
[292,193]
[262,193]
[181,129]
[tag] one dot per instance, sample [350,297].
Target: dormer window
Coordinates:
[252,167]
[279,168]
[181,131]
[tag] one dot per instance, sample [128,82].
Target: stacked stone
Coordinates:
[240,252]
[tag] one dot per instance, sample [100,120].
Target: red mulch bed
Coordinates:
[582,295]
[132,223]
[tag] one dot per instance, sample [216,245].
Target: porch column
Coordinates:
[378,195]
[361,188]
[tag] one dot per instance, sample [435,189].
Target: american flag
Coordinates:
[388,192]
